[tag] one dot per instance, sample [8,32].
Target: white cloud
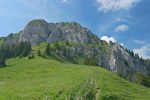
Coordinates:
[115,5]
[143,51]
[121,27]
[121,44]
[121,20]
[124,18]
[139,42]
[108,39]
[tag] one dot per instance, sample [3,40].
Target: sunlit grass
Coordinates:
[37,78]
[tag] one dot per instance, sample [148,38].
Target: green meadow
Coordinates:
[34,79]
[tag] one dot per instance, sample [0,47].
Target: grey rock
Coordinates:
[38,31]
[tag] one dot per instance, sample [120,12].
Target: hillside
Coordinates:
[74,50]
[37,78]
[87,48]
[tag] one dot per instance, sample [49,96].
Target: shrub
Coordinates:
[144,80]
[39,53]
[47,50]
[111,97]
[2,62]
[31,56]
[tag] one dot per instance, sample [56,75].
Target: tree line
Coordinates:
[21,49]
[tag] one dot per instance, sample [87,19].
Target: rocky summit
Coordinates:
[38,31]
[111,56]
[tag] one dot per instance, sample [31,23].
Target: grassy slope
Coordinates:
[35,79]
[76,60]
[42,47]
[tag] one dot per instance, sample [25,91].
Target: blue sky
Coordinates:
[126,21]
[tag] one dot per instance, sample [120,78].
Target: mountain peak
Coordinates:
[37,22]
[39,30]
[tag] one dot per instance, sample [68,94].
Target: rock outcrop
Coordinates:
[38,31]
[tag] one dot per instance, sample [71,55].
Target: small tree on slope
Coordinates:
[47,50]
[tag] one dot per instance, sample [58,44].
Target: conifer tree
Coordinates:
[2,56]
[2,61]
[26,49]
[39,53]
[47,50]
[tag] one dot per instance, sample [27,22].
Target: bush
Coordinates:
[31,56]
[57,46]
[39,53]
[67,42]
[48,49]
[2,62]
[44,56]
[144,80]
[111,97]
[90,61]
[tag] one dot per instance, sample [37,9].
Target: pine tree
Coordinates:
[20,48]
[57,46]
[26,49]
[39,53]
[2,56]
[47,50]
[2,61]
[67,42]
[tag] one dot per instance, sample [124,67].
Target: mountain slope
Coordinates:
[84,45]
[111,56]
[25,80]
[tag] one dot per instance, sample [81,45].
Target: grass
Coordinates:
[37,78]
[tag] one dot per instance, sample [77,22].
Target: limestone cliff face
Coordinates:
[38,31]
[111,56]
[122,62]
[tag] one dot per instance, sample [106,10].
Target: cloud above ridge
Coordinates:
[115,5]
[121,27]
